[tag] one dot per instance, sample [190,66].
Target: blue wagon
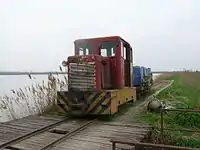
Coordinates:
[138,80]
[142,78]
[138,76]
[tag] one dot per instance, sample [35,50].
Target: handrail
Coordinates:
[169,129]
[29,73]
[139,145]
[149,145]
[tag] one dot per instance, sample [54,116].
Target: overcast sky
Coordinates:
[38,34]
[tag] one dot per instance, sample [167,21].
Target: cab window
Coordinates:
[83,51]
[84,48]
[108,49]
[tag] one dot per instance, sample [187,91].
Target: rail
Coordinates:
[10,144]
[20,86]
[32,133]
[140,145]
[60,72]
[69,133]
[154,72]
[170,129]
[3,73]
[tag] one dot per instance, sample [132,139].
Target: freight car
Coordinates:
[142,80]
[138,80]
[147,80]
[100,77]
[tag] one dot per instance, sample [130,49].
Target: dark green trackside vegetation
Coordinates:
[184,93]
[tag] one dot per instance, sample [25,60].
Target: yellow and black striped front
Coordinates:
[90,103]
[62,101]
[99,103]
[95,103]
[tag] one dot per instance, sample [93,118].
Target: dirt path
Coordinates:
[133,112]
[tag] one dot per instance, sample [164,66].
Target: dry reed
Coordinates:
[33,99]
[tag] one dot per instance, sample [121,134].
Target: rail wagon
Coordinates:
[142,80]
[138,81]
[148,80]
[100,77]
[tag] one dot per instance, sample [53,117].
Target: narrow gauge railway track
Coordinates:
[30,134]
[160,84]
[67,135]
[47,136]
[51,135]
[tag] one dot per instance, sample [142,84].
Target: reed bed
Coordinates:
[31,100]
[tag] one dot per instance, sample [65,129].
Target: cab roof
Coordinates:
[102,39]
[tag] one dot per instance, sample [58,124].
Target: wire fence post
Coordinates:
[13,73]
[161,126]
[113,145]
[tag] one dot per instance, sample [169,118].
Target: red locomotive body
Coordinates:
[85,73]
[99,77]
[117,57]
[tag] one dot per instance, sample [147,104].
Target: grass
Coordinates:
[184,93]
[122,109]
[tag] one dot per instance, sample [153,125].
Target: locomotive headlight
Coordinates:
[64,63]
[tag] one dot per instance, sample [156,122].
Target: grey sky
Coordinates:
[39,34]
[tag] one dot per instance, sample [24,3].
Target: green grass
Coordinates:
[182,94]
[125,108]
[122,109]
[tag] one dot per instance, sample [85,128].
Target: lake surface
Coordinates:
[12,106]
[31,99]
[156,75]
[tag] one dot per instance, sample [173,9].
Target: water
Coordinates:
[156,75]
[15,82]
[28,100]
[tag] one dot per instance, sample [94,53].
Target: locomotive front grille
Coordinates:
[81,76]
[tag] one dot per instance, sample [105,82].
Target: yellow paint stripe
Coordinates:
[96,100]
[107,110]
[91,96]
[60,100]
[62,105]
[97,109]
[105,102]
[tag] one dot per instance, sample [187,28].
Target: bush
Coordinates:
[187,120]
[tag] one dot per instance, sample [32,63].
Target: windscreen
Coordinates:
[84,48]
[108,49]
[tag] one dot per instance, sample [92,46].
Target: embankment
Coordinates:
[184,93]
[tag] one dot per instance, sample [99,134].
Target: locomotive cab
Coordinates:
[116,56]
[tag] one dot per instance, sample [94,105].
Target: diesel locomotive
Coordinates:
[100,77]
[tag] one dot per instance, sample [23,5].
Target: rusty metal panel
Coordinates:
[81,76]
